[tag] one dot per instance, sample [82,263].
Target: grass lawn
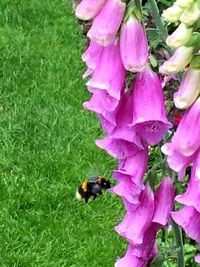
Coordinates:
[47,144]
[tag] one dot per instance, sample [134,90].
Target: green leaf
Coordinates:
[153,61]
[154,37]
[195,62]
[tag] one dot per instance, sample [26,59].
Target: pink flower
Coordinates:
[91,57]
[88,9]
[107,23]
[176,160]
[189,219]
[130,260]
[135,224]
[135,166]
[149,117]
[119,148]
[146,250]
[192,195]
[129,176]
[105,106]
[124,141]
[127,189]
[133,45]
[164,201]
[141,225]
[197,259]
[109,74]
[186,139]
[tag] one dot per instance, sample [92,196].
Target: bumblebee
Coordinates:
[92,187]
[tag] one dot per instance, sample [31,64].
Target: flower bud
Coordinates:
[173,13]
[180,36]
[179,60]
[133,45]
[189,89]
[106,25]
[191,15]
[184,3]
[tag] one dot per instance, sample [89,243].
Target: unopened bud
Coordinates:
[184,3]
[179,60]
[173,13]
[191,15]
[180,36]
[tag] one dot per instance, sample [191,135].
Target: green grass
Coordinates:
[47,144]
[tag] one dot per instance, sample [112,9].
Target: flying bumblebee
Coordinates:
[92,187]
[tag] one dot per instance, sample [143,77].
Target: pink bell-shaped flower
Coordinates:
[91,57]
[176,160]
[189,219]
[133,45]
[88,9]
[130,260]
[141,218]
[135,166]
[164,201]
[126,189]
[105,106]
[149,115]
[106,25]
[124,141]
[192,195]
[109,74]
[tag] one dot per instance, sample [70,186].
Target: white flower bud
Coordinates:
[180,36]
[191,15]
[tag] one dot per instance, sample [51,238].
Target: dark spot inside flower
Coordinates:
[106,94]
[154,127]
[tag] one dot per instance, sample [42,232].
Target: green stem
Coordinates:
[156,15]
[138,5]
[179,243]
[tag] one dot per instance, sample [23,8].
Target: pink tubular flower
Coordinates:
[126,189]
[109,74]
[189,219]
[105,106]
[145,229]
[197,259]
[118,148]
[189,89]
[192,195]
[141,218]
[91,57]
[146,249]
[133,45]
[135,166]
[129,176]
[186,139]
[177,161]
[164,201]
[130,260]
[123,142]
[107,23]
[88,9]
[149,118]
